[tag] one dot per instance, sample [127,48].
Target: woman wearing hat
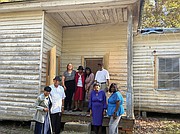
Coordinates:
[97,106]
[79,92]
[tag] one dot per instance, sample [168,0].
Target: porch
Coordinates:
[93,33]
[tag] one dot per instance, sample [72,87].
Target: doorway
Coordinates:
[93,63]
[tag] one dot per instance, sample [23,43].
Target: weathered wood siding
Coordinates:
[147,98]
[20,46]
[109,41]
[52,36]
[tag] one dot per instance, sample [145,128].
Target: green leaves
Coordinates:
[165,13]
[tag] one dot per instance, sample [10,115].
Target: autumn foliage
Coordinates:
[161,13]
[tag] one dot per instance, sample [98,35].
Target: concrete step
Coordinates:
[80,127]
[72,132]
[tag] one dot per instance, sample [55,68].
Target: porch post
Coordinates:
[52,73]
[129,94]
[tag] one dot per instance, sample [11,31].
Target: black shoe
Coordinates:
[69,109]
[75,110]
[80,110]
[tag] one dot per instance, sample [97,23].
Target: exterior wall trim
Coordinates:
[41,52]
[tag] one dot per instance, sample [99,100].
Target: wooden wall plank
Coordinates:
[106,14]
[80,16]
[20,39]
[119,14]
[88,17]
[58,18]
[65,16]
[73,16]
[125,14]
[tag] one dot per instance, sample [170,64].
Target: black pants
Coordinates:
[98,129]
[70,88]
[56,122]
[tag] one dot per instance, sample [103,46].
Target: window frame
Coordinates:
[156,70]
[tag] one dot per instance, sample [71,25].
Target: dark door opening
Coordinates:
[93,63]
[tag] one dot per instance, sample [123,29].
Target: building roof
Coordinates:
[78,11]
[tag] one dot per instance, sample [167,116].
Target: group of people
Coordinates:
[78,85]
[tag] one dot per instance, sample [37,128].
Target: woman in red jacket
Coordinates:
[79,92]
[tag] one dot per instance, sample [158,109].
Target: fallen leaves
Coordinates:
[156,126]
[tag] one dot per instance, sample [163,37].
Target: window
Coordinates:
[169,73]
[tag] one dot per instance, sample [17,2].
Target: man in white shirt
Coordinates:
[102,77]
[57,98]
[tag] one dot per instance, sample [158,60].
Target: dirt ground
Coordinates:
[149,125]
[157,126]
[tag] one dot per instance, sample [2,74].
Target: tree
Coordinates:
[161,13]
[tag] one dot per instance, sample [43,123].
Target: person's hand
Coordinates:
[62,109]
[104,113]
[64,87]
[87,89]
[114,116]
[45,109]
[107,89]
[90,112]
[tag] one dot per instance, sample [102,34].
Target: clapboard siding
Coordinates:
[97,41]
[52,36]
[147,98]
[20,45]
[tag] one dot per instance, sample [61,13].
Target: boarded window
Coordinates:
[169,73]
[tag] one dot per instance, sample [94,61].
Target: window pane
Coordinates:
[162,76]
[176,84]
[170,76]
[169,65]
[175,76]
[176,65]
[161,65]
[169,84]
[161,84]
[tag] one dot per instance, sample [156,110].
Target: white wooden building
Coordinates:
[39,38]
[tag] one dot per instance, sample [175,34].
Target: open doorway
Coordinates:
[93,63]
